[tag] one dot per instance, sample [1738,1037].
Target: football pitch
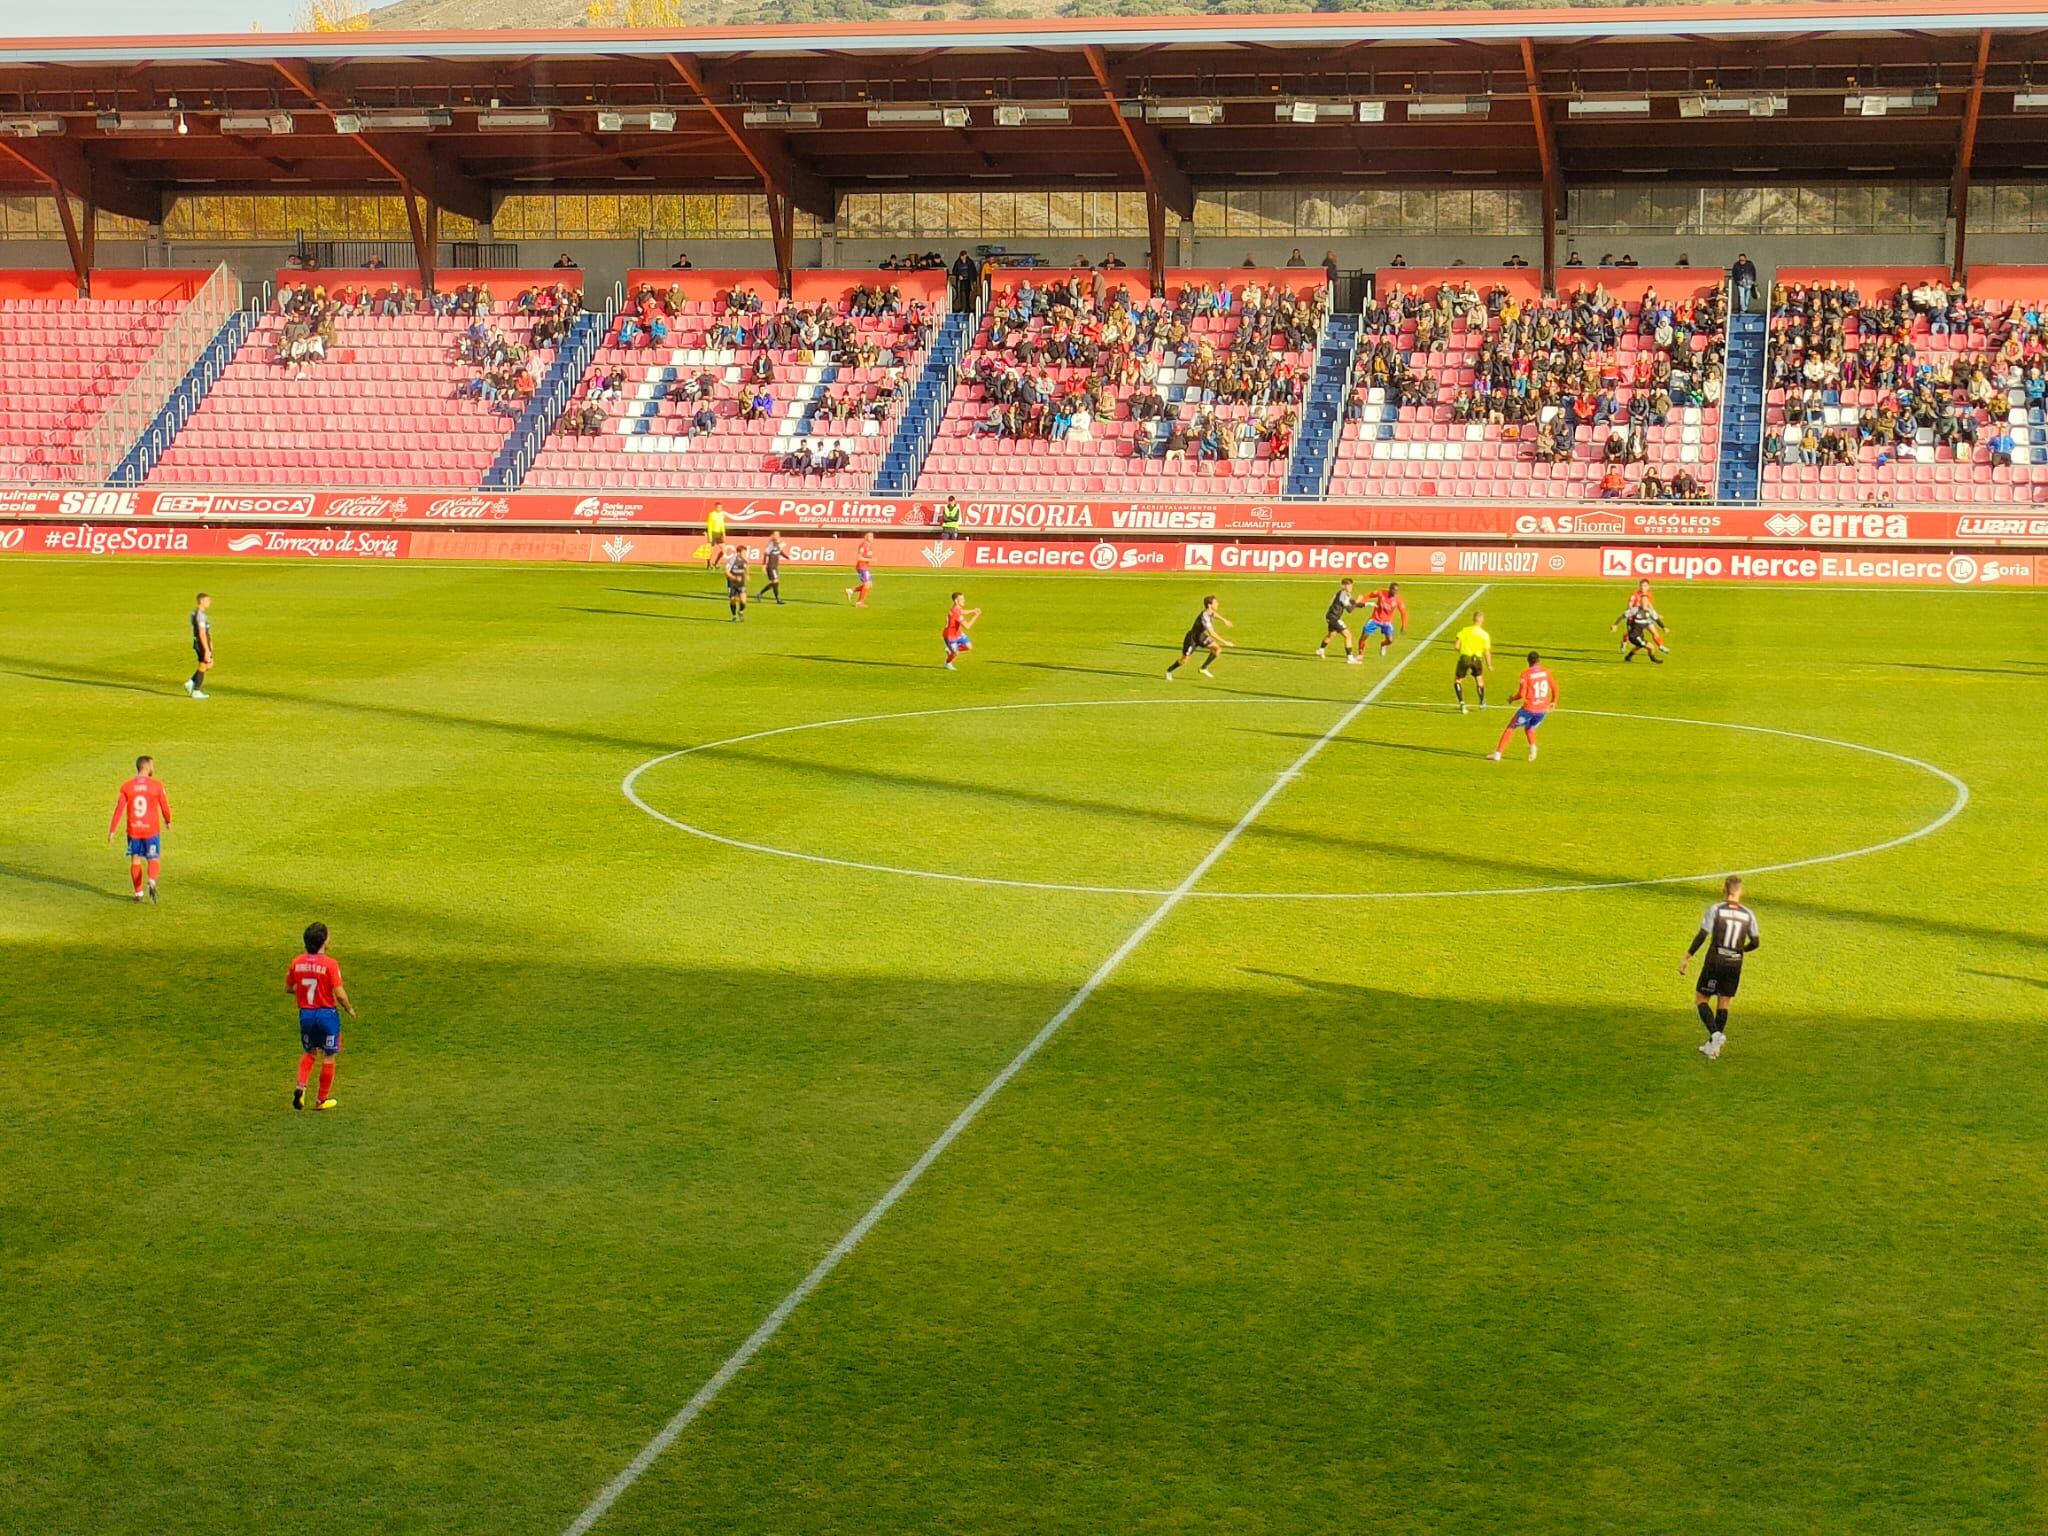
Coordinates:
[1365,1177]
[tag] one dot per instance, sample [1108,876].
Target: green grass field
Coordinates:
[1379,1213]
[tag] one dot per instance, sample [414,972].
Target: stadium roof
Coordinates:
[1872,91]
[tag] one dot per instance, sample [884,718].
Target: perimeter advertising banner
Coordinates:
[1101,517]
[836,553]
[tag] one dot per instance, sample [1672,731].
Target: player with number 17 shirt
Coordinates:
[1728,932]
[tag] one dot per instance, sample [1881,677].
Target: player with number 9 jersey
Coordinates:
[143,810]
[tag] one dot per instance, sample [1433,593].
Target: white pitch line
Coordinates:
[630,786]
[771,1325]
[1956,806]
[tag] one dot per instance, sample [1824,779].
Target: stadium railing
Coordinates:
[209,300]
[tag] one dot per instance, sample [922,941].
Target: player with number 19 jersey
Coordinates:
[1535,696]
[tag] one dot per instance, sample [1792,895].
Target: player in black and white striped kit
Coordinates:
[1729,932]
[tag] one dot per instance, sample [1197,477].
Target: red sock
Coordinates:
[135,873]
[305,1069]
[156,867]
[1506,736]
[326,1079]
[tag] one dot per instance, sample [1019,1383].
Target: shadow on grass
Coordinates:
[65,882]
[1125,674]
[1343,742]
[2033,670]
[633,613]
[2025,981]
[864,661]
[109,684]
[706,596]
[1490,867]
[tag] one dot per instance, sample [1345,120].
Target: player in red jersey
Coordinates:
[959,619]
[1535,696]
[863,570]
[314,981]
[1387,606]
[142,807]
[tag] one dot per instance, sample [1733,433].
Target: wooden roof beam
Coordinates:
[1164,178]
[414,166]
[67,172]
[768,153]
[1966,149]
[1546,155]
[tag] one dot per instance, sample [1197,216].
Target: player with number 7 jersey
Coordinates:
[314,981]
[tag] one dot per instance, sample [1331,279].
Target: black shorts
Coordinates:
[199,653]
[1335,622]
[736,586]
[1197,641]
[1720,979]
[1471,666]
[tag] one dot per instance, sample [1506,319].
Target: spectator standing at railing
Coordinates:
[951,517]
[1743,276]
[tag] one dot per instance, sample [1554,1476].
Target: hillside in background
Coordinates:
[475,14]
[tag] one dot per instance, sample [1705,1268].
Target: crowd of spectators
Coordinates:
[1060,353]
[1829,342]
[877,330]
[499,363]
[500,366]
[744,322]
[1548,370]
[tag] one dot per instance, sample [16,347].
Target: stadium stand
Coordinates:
[1082,382]
[66,359]
[708,380]
[1892,385]
[1471,383]
[356,379]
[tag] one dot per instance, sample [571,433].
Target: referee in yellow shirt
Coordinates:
[1475,659]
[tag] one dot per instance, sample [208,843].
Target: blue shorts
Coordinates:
[144,847]
[1375,624]
[957,643]
[860,574]
[320,1030]
[1524,721]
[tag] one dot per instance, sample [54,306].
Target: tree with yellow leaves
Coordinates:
[636,13]
[334,16]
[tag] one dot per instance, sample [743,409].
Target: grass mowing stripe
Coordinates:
[771,1325]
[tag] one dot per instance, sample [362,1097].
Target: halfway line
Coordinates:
[771,1325]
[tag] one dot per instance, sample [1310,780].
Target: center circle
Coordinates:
[631,787]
